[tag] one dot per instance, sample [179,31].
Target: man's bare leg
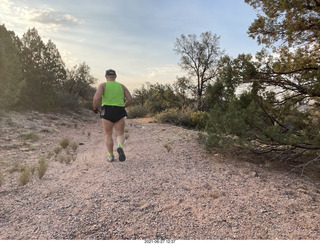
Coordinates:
[119,127]
[108,129]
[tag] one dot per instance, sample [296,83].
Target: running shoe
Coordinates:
[122,156]
[110,158]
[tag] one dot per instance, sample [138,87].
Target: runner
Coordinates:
[114,98]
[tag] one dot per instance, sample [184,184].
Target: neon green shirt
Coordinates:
[113,94]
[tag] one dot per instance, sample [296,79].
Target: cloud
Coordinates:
[19,16]
[52,17]
[163,70]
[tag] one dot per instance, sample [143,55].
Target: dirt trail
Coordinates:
[168,188]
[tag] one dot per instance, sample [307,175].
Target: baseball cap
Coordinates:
[110,72]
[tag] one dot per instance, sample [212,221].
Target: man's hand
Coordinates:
[95,110]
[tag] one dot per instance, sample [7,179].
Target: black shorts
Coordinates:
[112,113]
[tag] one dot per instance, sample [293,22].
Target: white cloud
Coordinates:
[50,16]
[162,70]
[5,4]
[19,17]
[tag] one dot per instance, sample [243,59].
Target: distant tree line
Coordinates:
[33,75]
[269,103]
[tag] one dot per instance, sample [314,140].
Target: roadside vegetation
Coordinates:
[266,103]
[34,77]
[66,151]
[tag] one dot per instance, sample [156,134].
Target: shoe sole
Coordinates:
[122,156]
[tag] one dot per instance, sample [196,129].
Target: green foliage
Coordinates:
[141,95]
[199,57]
[180,117]
[137,111]
[168,105]
[292,28]
[11,77]
[184,90]
[161,98]
[278,112]
[156,98]
[38,93]
[294,22]
[33,75]
[260,125]
[78,84]
[64,100]
[199,119]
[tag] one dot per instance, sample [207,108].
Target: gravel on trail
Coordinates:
[168,188]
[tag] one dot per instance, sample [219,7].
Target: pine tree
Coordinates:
[279,111]
[44,71]
[11,78]
[38,93]
[54,66]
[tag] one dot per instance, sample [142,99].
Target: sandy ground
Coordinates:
[168,188]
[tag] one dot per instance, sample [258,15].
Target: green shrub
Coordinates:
[176,116]
[137,111]
[64,100]
[199,119]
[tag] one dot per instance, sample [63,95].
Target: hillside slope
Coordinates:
[168,188]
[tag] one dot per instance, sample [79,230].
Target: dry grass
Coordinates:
[57,150]
[168,146]
[42,167]
[1,178]
[126,133]
[24,177]
[29,137]
[64,143]
[64,158]
[17,167]
[74,146]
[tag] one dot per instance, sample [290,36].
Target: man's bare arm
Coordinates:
[128,97]
[98,96]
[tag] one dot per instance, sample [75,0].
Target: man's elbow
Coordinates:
[128,102]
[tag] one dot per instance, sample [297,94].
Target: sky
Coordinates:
[134,37]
